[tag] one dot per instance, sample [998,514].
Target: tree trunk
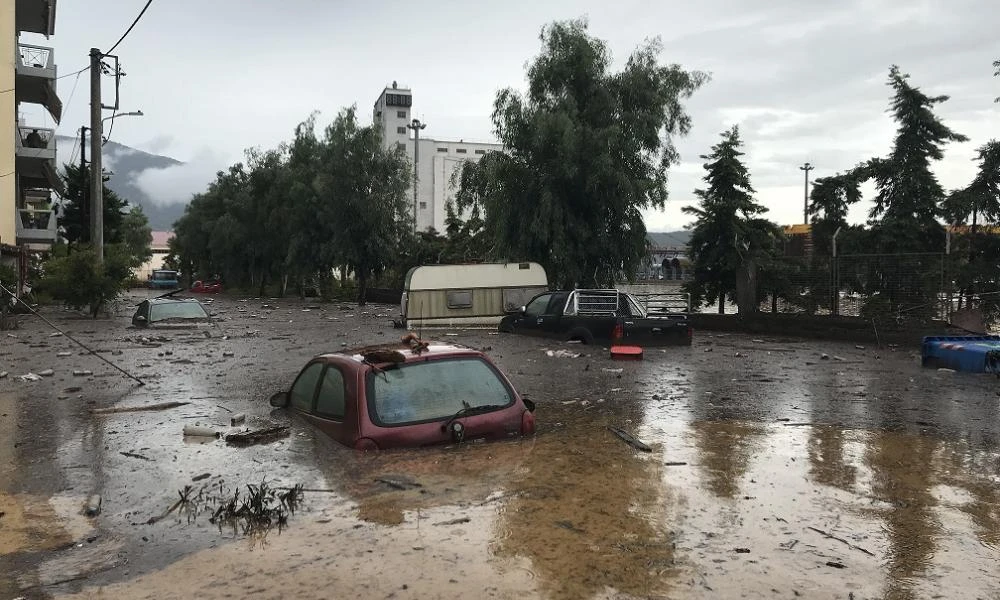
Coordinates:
[284,284]
[362,286]
[263,283]
[774,303]
[722,303]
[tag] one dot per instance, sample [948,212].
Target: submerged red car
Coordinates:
[206,287]
[401,396]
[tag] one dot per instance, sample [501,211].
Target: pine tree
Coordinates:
[904,216]
[728,232]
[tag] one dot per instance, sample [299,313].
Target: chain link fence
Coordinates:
[881,287]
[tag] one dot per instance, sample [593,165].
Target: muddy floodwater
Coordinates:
[773,472]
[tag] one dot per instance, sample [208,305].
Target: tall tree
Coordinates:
[981,198]
[996,73]
[585,150]
[365,186]
[728,238]
[137,237]
[905,211]
[75,216]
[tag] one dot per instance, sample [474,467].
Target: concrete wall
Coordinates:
[8,122]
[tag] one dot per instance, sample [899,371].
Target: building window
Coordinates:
[461,151]
[442,149]
[480,151]
[401,130]
[423,205]
[460,299]
[401,146]
[401,114]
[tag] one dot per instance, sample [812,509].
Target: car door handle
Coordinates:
[630,322]
[539,321]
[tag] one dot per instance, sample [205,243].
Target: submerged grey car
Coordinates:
[170,312]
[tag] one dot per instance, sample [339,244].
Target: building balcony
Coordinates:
[35,158]
[35,78]
[36,226]
[36,16]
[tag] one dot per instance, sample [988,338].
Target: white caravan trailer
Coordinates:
[468,295]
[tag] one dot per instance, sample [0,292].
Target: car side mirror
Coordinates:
[522,310]
[279,400]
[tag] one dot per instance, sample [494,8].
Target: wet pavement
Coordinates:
[774,473]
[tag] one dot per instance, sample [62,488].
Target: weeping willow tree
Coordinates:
[586,149]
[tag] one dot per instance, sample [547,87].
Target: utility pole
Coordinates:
[805,210]
[416,126]
[96,204]
[84,204]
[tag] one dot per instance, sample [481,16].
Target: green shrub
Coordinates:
[78,281]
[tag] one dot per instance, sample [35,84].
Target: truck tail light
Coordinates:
[365,445]
[527,423]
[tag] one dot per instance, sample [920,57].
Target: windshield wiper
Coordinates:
[470,410]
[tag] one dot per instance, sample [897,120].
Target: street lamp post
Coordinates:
[134,113]
[416,126]
[805,208]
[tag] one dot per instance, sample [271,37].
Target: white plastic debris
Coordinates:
[200,431]
[64,353]
[562,354]
[47,373]
[29,377]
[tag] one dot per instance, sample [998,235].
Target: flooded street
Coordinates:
[774,472]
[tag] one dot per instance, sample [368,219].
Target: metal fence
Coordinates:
[874,286]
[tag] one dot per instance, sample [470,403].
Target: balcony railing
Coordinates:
[36,61]
[35,144]
[35,82]
[36,226]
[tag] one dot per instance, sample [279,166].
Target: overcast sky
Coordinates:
[805,82]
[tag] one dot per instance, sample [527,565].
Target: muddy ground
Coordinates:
[774,473]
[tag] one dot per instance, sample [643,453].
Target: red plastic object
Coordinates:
[626,352]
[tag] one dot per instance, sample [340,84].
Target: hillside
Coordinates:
[126,163]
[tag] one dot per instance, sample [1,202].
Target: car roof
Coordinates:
[167,300]
[434,350]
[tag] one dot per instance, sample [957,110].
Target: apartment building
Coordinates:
[28,175]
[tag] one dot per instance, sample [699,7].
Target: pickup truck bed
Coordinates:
[598,316]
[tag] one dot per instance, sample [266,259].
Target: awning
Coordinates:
[52,176]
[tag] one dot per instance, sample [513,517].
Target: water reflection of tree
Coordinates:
[902,477]
[827,458]
[971,471]
[584,513]
[725,449]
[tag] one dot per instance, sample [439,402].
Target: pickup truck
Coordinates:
[604,316]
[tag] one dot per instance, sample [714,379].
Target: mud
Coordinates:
[773,472]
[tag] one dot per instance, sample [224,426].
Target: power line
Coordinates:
[73,73]
[129,30]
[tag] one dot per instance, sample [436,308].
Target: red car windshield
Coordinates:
[435,390]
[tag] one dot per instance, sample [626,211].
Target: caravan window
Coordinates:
[460,299]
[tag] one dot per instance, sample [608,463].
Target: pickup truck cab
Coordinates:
[604,316]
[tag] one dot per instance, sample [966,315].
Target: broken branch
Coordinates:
[841,540]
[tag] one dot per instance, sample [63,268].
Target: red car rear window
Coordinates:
[435,390]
